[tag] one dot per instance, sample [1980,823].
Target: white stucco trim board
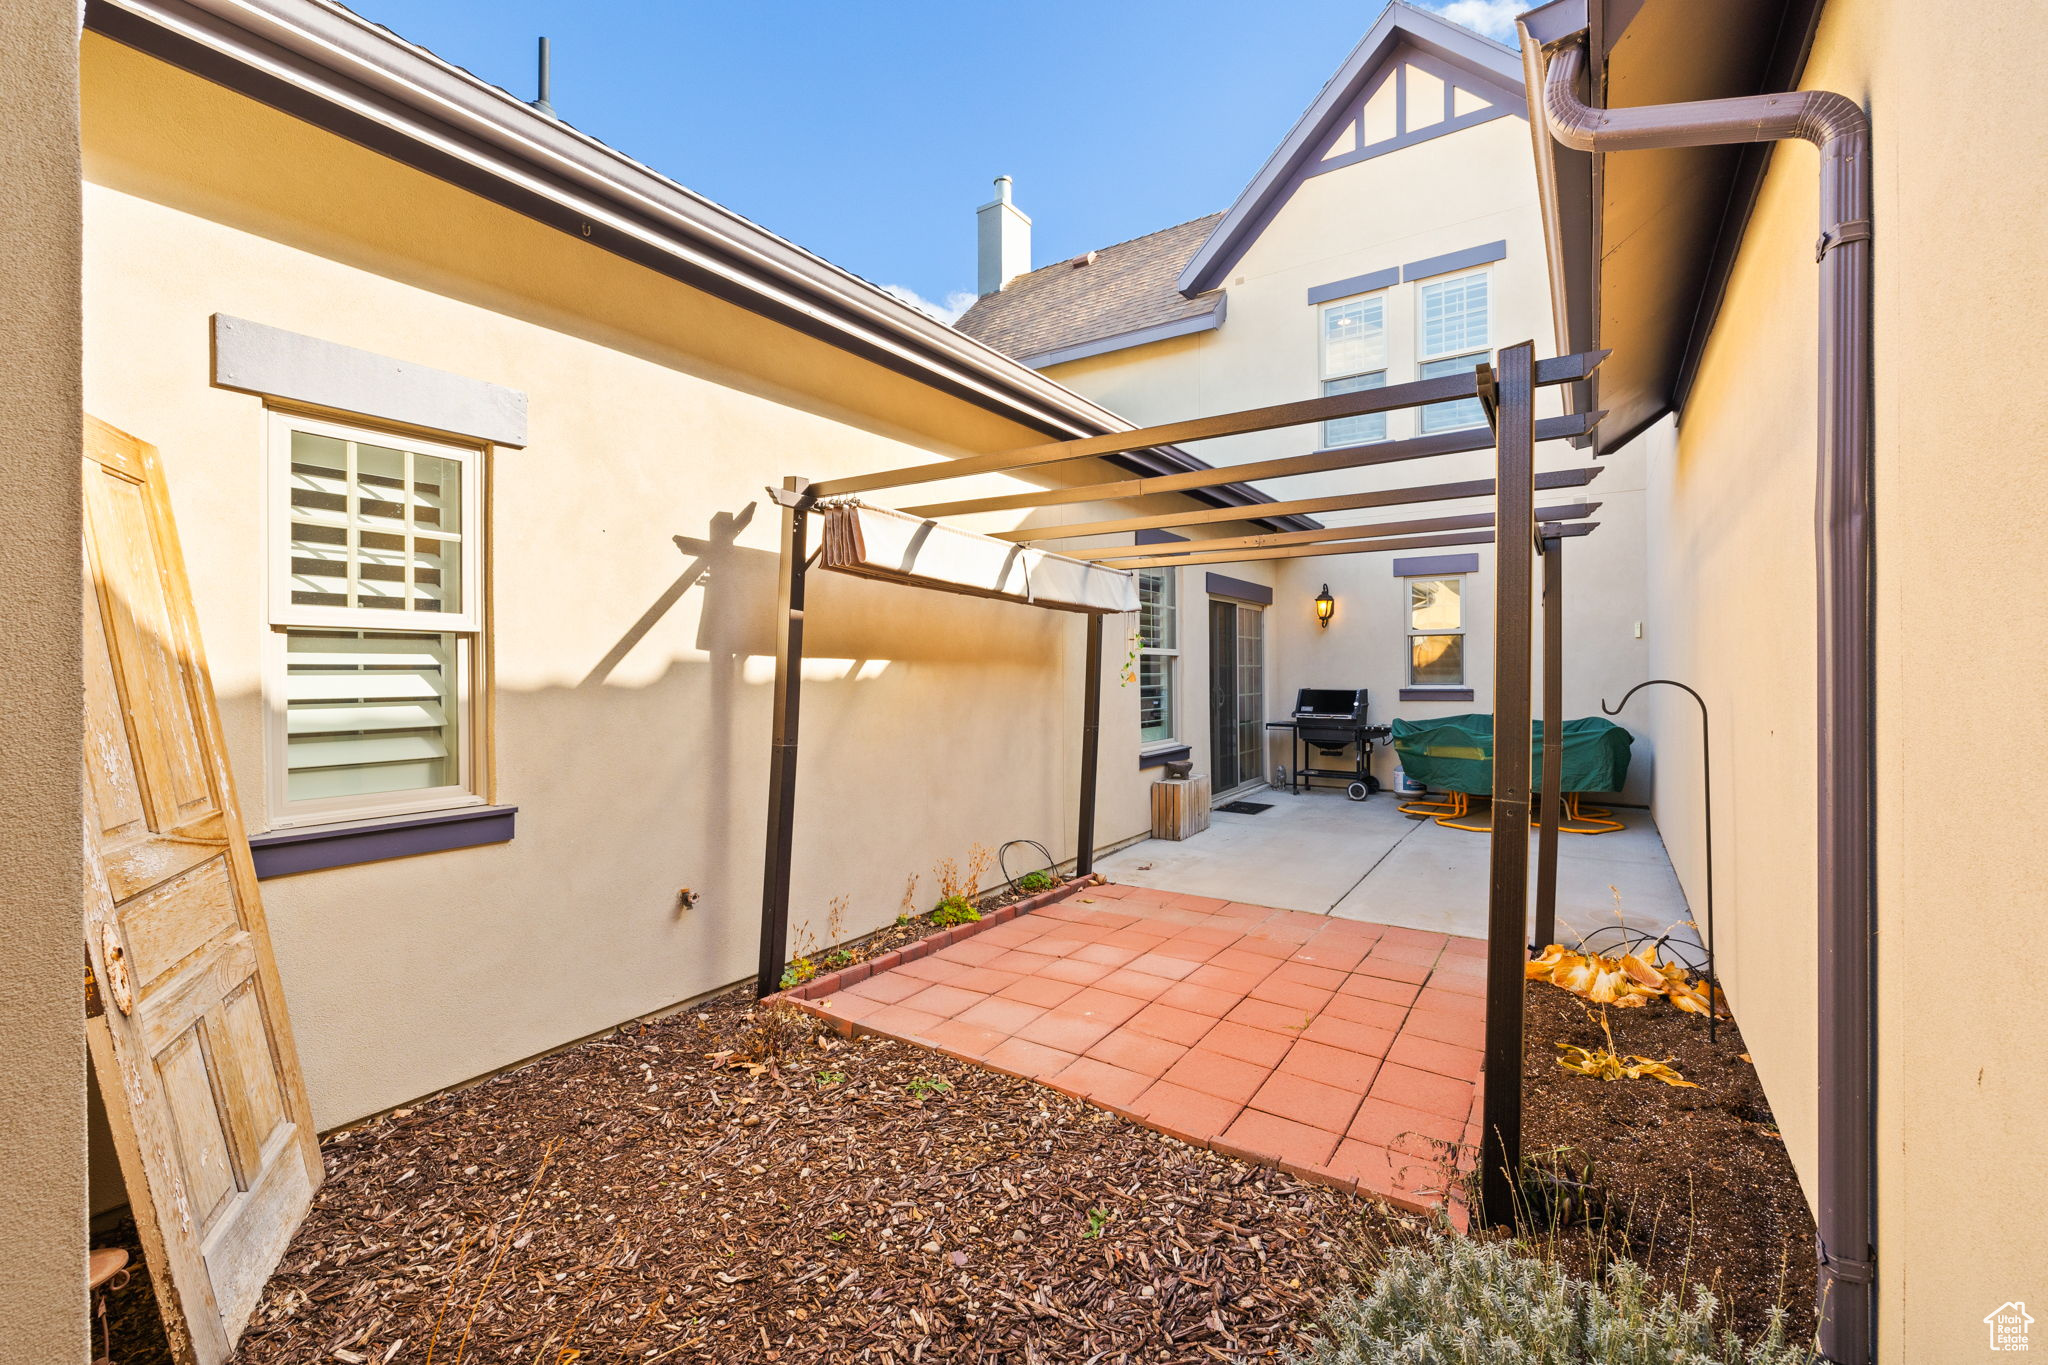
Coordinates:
[255,358]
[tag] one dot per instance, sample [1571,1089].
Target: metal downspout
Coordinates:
[1847,691]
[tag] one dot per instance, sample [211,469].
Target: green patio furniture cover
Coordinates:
[1456,753]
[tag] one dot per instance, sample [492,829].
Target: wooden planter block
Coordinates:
[1180,806]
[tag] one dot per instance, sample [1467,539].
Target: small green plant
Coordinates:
[955,910]
[799,970]
[831,1078]
[1031,883]
[835,1236]
[1098,1219]
[840,957]
[1460,1301]
[927,1085]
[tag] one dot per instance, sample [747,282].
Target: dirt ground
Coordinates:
[1696,1182]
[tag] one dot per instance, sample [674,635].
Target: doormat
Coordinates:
[1245,807]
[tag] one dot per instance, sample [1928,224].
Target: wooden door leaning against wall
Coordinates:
[188,1027]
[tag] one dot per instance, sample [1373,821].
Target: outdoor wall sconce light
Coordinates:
[1326,607]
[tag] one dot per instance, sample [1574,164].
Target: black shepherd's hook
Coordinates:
[1707,786]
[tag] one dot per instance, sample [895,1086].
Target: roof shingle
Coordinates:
[1126,287]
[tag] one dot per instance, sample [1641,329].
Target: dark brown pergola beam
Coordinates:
[1417,393]
[1352,547]
[1315,462]
[1340,502]
[1127,556]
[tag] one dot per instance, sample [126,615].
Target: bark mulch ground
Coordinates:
[1696,1184]
[725,1184]
[721,1185]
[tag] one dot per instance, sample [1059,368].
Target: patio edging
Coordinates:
[820,986]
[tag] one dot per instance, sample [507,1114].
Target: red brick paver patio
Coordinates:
[1338,1050]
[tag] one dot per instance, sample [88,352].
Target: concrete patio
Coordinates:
[1339,1050]
[1365,860]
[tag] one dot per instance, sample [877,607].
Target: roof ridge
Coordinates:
[1156,232]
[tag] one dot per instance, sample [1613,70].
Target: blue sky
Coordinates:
[870,131]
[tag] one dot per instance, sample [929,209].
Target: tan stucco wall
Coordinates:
[631,713]
[42,1080]
[1462,190]
[1955,102]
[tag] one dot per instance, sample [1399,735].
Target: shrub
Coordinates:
[955,910]
[1031,883]
[1458,1301]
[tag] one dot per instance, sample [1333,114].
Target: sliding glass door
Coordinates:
[1237,695]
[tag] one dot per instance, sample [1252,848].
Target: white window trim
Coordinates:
[1325,377]
[1170,653]
[1408,617]
[468,624]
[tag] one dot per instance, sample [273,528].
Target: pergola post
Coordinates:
[1500,1140]
[782,753]
[1552,797]
[1091,726]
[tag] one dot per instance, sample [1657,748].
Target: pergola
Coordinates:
[1522,532]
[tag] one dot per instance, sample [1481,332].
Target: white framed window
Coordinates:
[1158,655]
[1452,318]
[1354,357]
[1436,632]
[376,622]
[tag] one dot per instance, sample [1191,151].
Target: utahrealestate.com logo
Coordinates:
[2008,1323]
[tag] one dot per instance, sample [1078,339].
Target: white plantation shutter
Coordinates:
[368,712]
[1158,652]
[372,528]
[374,538]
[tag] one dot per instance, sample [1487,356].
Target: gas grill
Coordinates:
[1328,721]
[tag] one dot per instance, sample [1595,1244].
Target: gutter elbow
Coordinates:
[1827,117]
[1571,120]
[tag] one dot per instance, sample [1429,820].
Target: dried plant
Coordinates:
[505,1241]
[946,872]
[1606,1065]
[776,1031]
[1626,982]
[908,910]
[981,860]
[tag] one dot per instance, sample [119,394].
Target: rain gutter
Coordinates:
[1847,1184]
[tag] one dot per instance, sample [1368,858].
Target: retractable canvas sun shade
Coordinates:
[881,543]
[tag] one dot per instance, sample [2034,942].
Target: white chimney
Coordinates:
[1004,235]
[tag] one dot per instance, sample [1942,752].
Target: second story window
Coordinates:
[1354,357]
[376,624]
[1158,654]
[1452,314]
